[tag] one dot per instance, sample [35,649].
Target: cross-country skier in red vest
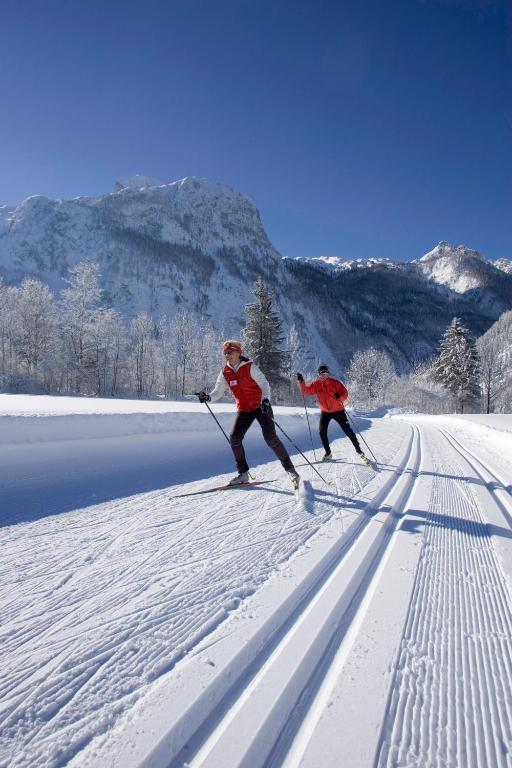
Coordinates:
[331,395]
[251,391]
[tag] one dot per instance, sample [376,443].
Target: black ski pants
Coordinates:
[243,421]
[341,418]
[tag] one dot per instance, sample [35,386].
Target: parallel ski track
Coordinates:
[451,701]
[490,478]
[99,626]
[325,616]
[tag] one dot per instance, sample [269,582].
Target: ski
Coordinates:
[221,488]
[329,461]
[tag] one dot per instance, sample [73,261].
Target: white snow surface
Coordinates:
[368,617]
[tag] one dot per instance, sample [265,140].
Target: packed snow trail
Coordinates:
[100,602]
[372,619]
[392,647]
[451,702]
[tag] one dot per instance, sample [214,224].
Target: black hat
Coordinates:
[323,369]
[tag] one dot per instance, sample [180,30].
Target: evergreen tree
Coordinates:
[263,334]
[456,367]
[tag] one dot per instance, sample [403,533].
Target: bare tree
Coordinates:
[370,374]
[495,356]
[78,311]
[142,334]
[36,329]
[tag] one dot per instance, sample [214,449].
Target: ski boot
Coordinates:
[240,479]
[295,478]
[327,457]
[365,459]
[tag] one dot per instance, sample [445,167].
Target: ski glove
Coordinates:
[265,405]
[203,396]
[300,377]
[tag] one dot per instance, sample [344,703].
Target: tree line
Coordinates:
[71,344]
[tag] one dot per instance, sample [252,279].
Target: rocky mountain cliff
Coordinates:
[199,244]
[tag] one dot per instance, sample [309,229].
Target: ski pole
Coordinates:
[221,429]
[218,423]
[299,450]
[360,435]
[309,425]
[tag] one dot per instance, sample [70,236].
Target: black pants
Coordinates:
[341,418]
[243,421]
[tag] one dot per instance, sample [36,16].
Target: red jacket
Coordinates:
[325,390]
[245,390]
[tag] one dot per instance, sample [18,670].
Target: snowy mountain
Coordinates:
[201,245]
[459,268]
[504,264]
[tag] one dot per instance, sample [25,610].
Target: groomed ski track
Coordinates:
[382,638]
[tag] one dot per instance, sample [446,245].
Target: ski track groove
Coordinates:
[461,609]
[212,730]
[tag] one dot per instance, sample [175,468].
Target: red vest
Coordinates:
[246,392]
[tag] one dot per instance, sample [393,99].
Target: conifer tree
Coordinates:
[263,334]
[456,367]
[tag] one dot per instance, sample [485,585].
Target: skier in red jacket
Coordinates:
[251,391]
[331,395]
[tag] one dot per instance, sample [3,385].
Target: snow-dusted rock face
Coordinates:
[459,268]
[6,212]
[337,264]
[190,243]
[200,245]
[504,264]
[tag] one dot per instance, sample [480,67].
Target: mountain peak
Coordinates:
[137,182]
[504,264]
[455,266]
[445,250]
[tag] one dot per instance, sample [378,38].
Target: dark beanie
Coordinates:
[323,369]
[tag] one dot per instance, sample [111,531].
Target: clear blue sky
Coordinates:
[361,128]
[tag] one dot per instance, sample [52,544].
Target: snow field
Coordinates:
[371,618]
[100,602]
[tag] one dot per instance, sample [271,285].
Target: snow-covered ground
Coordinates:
[367,622]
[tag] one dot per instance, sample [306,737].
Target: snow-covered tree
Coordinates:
[419,390]
[108,342]
[456,367]
[207,358]
[8,322]
[190,354]
[291,365]
[370,374]
[78,313]
[144,354]
[263,335]
[495,356]
[36,336]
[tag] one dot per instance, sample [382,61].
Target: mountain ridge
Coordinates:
[201,244]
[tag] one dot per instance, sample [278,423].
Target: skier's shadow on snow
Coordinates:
[473,528]
[491,486]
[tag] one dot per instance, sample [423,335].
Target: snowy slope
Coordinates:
[372,617]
